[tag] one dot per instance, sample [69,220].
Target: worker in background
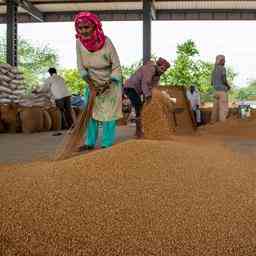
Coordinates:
[138,87]
[221,86]
[194,98]
[56,85]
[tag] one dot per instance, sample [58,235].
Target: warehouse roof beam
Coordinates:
[31,9]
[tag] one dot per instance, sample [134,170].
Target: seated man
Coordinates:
[56,85]
[140,85]
[194,98]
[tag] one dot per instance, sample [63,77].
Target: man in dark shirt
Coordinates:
[138,87]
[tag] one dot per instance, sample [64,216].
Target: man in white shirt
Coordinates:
[194,98]
[56,85]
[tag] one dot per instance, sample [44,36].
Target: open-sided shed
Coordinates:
[15,11]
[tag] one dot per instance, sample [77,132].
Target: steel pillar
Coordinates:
[147,17]
[11,32]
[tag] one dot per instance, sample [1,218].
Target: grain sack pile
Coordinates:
[12,86]
[136,198]
[37,100]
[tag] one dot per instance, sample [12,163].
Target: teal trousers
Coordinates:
[109,133]
[109,129]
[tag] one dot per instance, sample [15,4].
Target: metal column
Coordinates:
[11,32]
[146,30]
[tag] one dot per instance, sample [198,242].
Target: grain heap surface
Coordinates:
[157,118]
[232,127]
[136,198]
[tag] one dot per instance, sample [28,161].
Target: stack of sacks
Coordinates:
[12,86]
[43,99]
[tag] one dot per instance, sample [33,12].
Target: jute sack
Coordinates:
[32,119]
[3,70]
[9,117]
[5,78]
[19,92]
[4,83]
[47,121]
[5,66]
[5,101]
[2,129]
[5,89]
[56,118]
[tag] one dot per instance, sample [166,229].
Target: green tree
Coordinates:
[127,71]
[73,80]
[184,70]
[247,92]
[33,61]
[188,69]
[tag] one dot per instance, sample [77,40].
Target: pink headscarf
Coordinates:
[97,40]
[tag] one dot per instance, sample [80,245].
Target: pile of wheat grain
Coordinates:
[231,127]
[136,198]
[157,118]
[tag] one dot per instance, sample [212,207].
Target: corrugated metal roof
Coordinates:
[205,5]
[89,6]
[63,6]
[100,5]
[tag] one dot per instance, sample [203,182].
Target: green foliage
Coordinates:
[127,71]
[188,48]
[73,80]
[188,70]
[246,93]
[33,61]
[185,69]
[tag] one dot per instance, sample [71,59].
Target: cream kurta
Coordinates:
[101,66]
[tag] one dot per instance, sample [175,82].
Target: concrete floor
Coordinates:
[19,147]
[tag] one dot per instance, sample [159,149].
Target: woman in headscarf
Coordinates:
[221,86]
[99,66]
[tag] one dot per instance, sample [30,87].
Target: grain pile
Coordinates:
[137,198]
[157,118]
[12,86]
[232,127]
